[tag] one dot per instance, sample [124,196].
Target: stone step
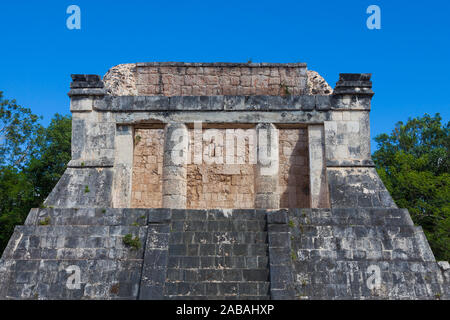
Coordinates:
[350,231]
[361,292]
[353,231]
[231,297]
[222,262]
[204,250]
[117,216]
[216,290]
[74,242]
[216,237]
[358,255]
[352,280]
[386,277]
[219,225]
[88,216]
[217,214]
[49,279]
[329,265]
[398,286]
[217,275]
[352,216]
[76,253]
[361,243]
[128,216]
[93,231]
[133,216]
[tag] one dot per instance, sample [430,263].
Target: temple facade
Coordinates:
[220,181]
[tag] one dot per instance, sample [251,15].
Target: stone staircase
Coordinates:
[214,254]
[218,254]
[363,254]
[43,254]
[373,253]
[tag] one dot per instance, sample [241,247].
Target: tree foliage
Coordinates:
[413,162]
[32,159]
[19,130]
[54,152]
[16,198]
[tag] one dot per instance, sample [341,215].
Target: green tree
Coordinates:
[50,161]
[32,159]
[16,197]
[19,130]
[413,162]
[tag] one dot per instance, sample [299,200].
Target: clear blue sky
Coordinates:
[408,57]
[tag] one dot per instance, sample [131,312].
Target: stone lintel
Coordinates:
[229,118]
[214,103]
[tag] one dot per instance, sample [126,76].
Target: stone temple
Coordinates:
[220,181]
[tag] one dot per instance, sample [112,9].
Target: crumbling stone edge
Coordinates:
[280,265]
[156,252]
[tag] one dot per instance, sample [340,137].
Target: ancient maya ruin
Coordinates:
[220,181]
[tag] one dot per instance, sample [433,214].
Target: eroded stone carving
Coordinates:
[317,85]
[121,80]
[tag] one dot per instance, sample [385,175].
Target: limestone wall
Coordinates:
[220,181]
[294,169]
[147,168]
[208,79]
[221,170]
[104,144]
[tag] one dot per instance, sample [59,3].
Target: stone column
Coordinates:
[347,133]
[88,179]
[174,188]
[123,167]
[352,178]
[267,167]
[92,132]
[317,169]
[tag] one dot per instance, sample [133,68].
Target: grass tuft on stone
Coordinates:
[45,222]
[129,241]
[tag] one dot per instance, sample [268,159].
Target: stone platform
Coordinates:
[247,139]
[221,254]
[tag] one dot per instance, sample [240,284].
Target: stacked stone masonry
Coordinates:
[221,254]
[147,168]
[294,168]
[225,177]
[217,254]
[181,79]
[363,254]
[300,214]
